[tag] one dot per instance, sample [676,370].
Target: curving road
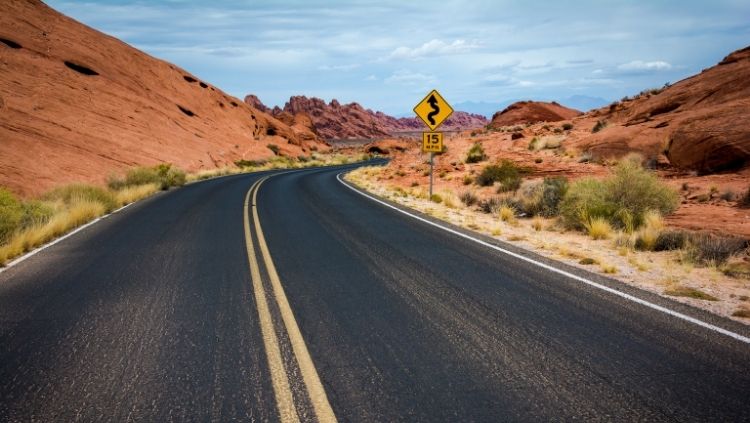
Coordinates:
[303,299]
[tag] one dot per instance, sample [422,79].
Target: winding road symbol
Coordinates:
[433,102]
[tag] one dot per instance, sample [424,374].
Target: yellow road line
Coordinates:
[318,397]
[279,379]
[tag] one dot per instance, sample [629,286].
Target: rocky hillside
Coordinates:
[78,105]
[352,121]
[701,123]
[522,112]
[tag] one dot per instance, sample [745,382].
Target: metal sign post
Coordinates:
[433,110]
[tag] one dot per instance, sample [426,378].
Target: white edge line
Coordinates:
[55,241]
[560,271]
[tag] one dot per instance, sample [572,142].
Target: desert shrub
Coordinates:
[249,163]
[671,240]
[475,154]
[115,183]
[623,198]
[163,175]
[533,144]
[35,213]
[586,157]
[491,205]
[585,199]
[728,195]
[567,126]
[468,198]
[436,198]
[507,174]
[538,160]
[713,249]
[468,180]
[600,124]
[537,224]
[636,190]
[274,148]
[78,193]
[11,214]
[553,191]
[141,176]
[528,199]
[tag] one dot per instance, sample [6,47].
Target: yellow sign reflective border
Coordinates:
[433,110]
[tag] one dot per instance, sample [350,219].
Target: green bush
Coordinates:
[567,126]
[475,154]
[507,174]
[586,199]
[81,192]
[35,213]
[622,198]
[163,175]
[11,214]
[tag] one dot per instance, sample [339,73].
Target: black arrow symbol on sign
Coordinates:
[435,109]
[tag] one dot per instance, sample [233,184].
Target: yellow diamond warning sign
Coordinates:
[433,109]
[432,142]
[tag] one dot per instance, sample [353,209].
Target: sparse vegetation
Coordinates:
[163,175]
[79,193]
[468,198]
[468,180]
[600,124]
[587,261]
[567,126]
[491,205]
[436,198]
[671,240]
[710,249]
[274,148]
[684,291]
[742,312]
[475,154]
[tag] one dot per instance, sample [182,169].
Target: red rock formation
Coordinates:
[522,112]
[701,123]
[352,121]
[78,105]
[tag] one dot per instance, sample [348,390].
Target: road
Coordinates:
[301,299]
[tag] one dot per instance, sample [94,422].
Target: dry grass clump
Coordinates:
[537,223]
[468,198]
[506,213]
[742,312]
[648,235]
[132,194]
[684,291]
[598,228]
[475,154]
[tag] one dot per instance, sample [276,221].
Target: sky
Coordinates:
[387,55]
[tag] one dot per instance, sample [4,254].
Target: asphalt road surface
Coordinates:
[300,299]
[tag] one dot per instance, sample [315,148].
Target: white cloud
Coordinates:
[371,78]
[406,77]
[344,68]
[640,66]
[432,48]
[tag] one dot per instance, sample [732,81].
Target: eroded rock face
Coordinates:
[352,121]
[701,123]
[522,112]
[80,105]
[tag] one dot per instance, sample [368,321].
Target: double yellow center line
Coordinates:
[279,374]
